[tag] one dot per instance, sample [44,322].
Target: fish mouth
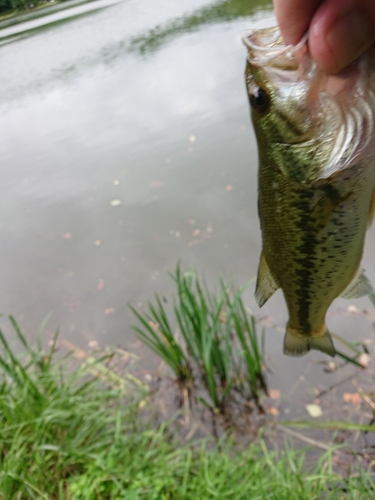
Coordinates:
[341,106]
[266,47]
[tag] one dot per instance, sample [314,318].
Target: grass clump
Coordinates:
[156,471]
[54,422]
[209,338]
[76,435]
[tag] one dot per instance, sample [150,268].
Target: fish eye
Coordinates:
[260,100]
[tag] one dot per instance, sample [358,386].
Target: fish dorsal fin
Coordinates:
[371,211]
[359,287]
[266,283]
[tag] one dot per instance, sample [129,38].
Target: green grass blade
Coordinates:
[330,425]
[15,369]
[353,361]
[349,345]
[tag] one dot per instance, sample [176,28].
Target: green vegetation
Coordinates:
[222,11]
[75,433]
[335,425]
[11,5]
[55,423]
[18,6]
[208,339]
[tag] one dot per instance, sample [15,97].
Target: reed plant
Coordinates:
[207,337]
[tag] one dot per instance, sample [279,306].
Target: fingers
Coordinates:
[340,31]
[294,17]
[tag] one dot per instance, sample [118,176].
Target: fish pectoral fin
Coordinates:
[300,345]
[360,286]
[266,283]
[325,206]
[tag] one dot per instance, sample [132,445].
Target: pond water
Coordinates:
[125,146]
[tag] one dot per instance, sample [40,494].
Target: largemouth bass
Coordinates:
[316,147]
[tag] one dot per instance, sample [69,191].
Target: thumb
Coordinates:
[341,31]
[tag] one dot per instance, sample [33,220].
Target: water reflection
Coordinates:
[168,136]
[224,11]
[85,122]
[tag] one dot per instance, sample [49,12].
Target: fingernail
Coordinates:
[348,38]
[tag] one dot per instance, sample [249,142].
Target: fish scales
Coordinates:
[307,259]
[313,211]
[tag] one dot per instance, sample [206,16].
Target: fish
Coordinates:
[316,181]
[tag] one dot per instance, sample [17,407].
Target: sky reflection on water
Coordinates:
[119,160]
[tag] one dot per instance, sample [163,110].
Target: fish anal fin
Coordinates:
[299,345]
[371,211]
[360,286]
[266,283]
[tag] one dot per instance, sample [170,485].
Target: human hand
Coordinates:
[339,30]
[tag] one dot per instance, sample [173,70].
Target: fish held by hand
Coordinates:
[316,181]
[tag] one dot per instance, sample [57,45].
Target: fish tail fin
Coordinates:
[323,344]
[295,345]
[299,345]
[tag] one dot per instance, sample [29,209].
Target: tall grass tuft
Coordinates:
[75,434]
[207,338]
[54,420]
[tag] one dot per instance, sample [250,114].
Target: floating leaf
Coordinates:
[353,309]
[364,359]
[352,397]
[194,242]
[314,410]
[156,184]
[274,393]
[273,411]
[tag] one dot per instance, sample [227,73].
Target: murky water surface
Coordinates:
[125,146]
